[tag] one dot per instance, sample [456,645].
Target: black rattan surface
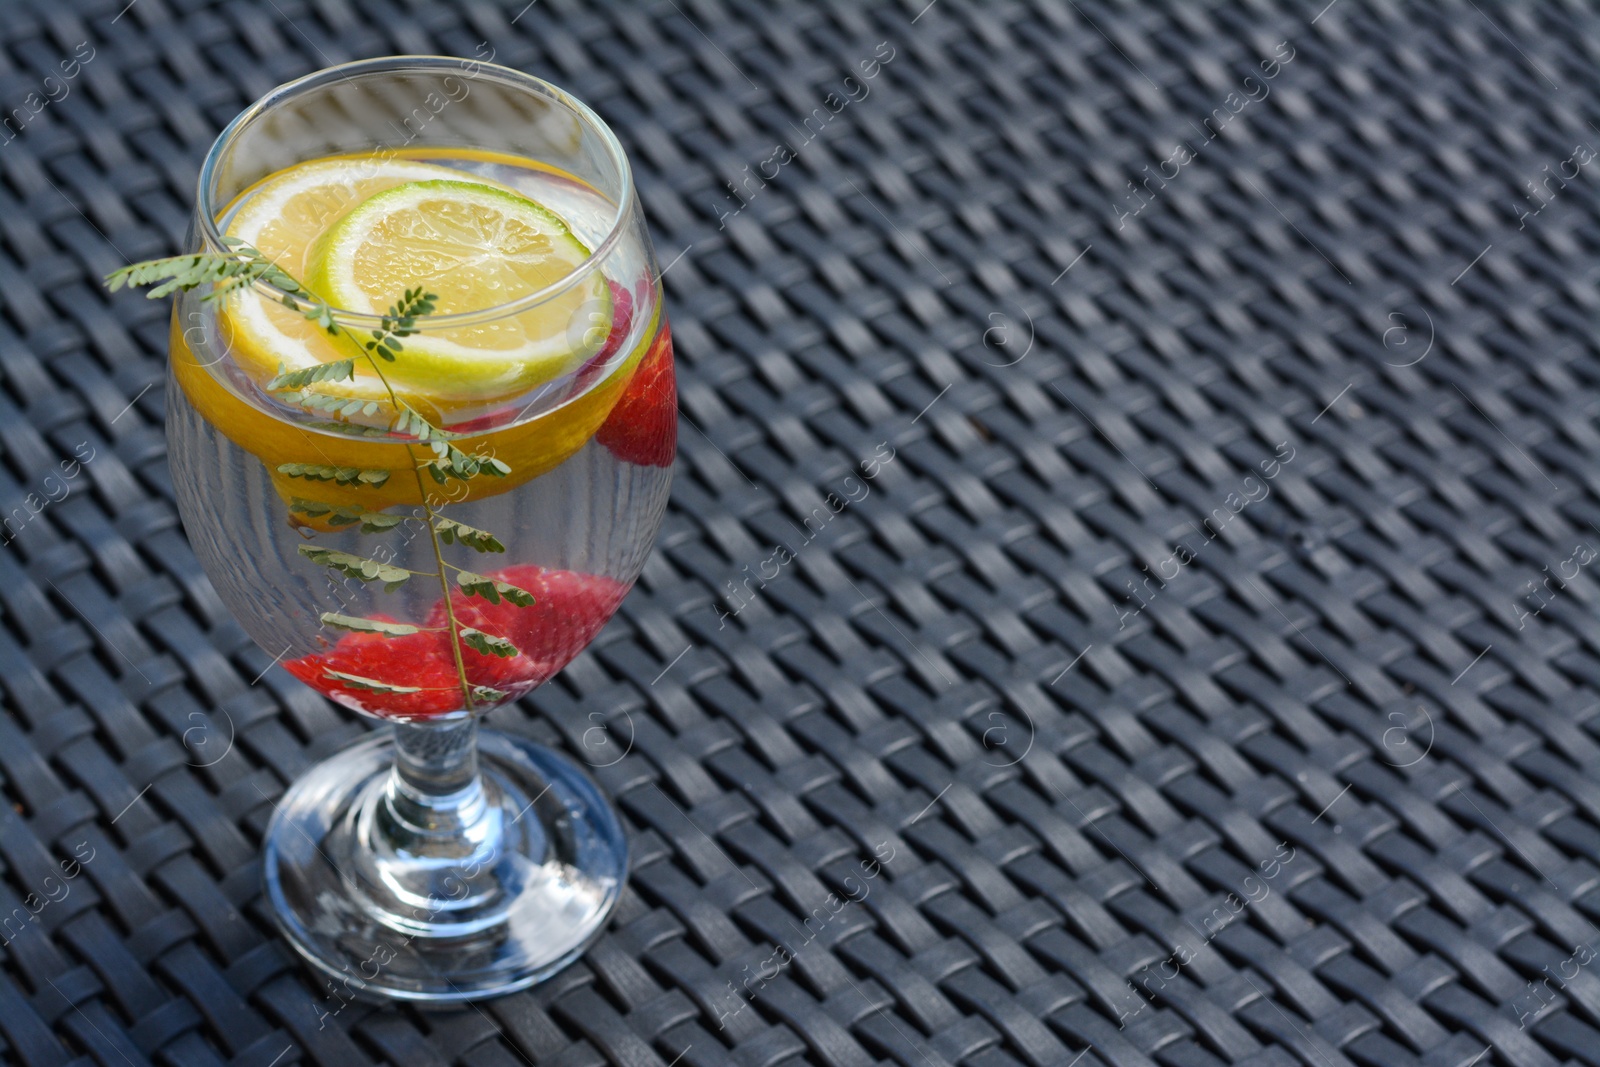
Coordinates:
[1237,533]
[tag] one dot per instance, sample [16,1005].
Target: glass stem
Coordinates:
[436,798]
[429,840]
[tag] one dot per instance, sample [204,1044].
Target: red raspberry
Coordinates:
[569,609]
[643,427]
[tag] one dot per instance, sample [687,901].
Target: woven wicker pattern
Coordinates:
[1194,662]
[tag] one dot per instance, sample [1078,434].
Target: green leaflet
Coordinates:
[368,570]
[488,644]
[319,472]
[411,421]
[450,462]
[337,371]
[339,515]
[368,626]
[343,407]
[370,685]
[225,273]
[491,590]
[450,531]
[348,429]
[401,321]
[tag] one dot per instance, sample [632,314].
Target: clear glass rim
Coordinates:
[207,209]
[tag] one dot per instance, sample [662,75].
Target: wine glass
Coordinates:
[424,572]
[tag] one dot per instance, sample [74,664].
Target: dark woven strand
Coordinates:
[1194,663]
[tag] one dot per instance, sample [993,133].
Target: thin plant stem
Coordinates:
[438,550]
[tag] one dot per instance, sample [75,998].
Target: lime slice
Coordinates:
[475,247]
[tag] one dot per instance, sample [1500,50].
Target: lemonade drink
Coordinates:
[574,397]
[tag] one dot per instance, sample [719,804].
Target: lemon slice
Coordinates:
[475,247]
[283,217]
[288,211]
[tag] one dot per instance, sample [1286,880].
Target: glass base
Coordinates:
[416,913]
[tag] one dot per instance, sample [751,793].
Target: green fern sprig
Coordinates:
[340,370]
[244,265]
[339,515]
[401,321]
[321,472]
